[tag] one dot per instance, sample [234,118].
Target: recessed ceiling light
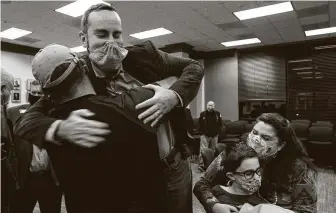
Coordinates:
[321,31]
[78,49]
[241,42]
[14,33]
[264,11]
[151,33]
[78,7]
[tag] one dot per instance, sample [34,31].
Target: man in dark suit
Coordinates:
[112,70]
[36,178]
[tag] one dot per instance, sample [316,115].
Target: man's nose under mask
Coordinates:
[108,58]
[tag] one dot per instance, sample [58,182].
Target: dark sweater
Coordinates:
[235,200]
[118,166]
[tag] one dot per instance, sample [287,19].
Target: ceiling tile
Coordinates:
[291,34]
[314,19]
[332,23]
[313,11]
[283,16]
[263,27]
[28,39]
[332,10]
[256,21]
[287,24]
[236,32]
[235,6]
[214,11]
[298,5]
[316,26]
[232,25]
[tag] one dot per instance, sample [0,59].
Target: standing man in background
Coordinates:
[35,175]
[210,122]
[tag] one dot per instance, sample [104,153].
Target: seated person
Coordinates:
[88,175]
[243,172]
[288,177]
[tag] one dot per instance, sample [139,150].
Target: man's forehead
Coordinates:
[104,19]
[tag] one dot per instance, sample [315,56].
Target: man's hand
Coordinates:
[80,131]
[223,208]
[160,104]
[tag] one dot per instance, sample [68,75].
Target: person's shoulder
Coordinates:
[17,108]
[145,45]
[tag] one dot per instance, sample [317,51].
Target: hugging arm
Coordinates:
[34,124]
[202,189]
[305,194]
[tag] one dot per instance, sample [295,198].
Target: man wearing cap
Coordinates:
[7,156]
[114,69]
[35,177]
[91,167]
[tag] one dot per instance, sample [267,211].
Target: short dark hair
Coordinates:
[94,8]
[236,153]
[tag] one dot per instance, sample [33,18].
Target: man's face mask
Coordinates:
[261,146]
[108,58]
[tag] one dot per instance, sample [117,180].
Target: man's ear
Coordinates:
[83,39]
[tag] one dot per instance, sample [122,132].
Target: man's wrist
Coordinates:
[179,99]
[51,133]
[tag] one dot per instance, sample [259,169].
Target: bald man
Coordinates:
[210,123]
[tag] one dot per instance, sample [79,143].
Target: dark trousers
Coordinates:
[7,186]
[40,187]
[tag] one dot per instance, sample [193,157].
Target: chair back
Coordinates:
[323,124]
[301,129]
[321,134]
[234,128]
[302,121]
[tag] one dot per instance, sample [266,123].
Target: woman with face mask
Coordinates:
[288,178]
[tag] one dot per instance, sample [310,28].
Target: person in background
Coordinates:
[210,122]
[114,69]
[288,178]
[36,177]
[7,156]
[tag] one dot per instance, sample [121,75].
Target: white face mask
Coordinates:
[108,58]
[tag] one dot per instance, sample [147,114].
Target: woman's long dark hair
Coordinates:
[293,157]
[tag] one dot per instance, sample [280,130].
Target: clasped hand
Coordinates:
[159,105]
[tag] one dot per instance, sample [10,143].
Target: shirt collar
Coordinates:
[101,74]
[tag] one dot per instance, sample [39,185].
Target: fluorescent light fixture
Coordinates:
[78,49]
[151,33]
[14,33]
[298,61]
[321,31]
[325,47]
[304,73]
[264,11]
[78,7]
[241,42]
[303,68]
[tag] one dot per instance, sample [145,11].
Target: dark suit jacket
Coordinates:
[23,148]
[144,62]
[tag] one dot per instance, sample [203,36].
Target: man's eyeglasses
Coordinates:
[248,174]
